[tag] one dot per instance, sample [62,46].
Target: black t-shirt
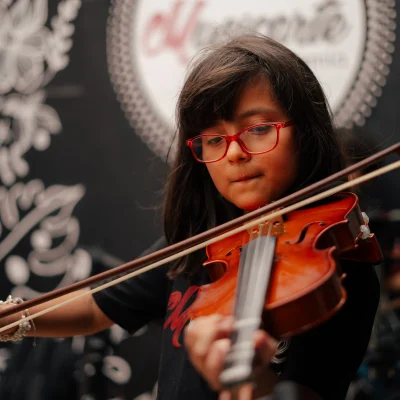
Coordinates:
[325,359]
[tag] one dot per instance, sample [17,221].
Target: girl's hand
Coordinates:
[207,343]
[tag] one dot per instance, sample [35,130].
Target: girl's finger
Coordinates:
[225,395]
[244,392]
[265,346]
[214,361]
[199,336]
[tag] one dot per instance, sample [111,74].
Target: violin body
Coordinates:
[305,286]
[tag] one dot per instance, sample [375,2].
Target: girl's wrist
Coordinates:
[17,333]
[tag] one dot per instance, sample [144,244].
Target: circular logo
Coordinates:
[347,44]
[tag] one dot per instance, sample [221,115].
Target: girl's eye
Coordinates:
[214,140]
[260,130]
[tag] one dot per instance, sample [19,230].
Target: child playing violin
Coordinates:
[253,126]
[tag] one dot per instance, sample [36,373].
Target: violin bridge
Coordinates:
[273,227]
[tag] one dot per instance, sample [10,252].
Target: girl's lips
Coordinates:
[247,178]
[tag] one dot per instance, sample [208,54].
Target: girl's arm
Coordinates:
[130,304]
[80,317]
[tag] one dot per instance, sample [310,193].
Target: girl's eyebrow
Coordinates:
[246,114]
[255,111]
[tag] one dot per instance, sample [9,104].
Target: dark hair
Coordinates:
[358,144]
[210,92]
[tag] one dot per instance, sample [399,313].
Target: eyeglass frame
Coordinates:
[236,138]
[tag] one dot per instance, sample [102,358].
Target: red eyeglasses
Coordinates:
[256,139]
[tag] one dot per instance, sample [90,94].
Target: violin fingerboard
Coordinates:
[254,273]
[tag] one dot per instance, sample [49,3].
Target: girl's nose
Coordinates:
[235,152]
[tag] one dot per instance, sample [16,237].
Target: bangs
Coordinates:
[211,93]
[211,106]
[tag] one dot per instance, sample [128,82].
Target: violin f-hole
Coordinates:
[304,231]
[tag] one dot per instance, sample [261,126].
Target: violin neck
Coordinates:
[255,267]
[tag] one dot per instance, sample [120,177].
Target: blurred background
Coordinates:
[87,95]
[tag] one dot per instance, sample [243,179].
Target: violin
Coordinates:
[285,275]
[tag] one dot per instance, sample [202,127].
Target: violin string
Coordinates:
[303,203]
[249,275]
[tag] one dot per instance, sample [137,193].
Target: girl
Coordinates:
[253,126]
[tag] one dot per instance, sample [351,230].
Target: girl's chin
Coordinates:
[249,200]
[248,207]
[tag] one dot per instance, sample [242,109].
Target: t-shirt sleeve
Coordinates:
[326,358]
[133,303]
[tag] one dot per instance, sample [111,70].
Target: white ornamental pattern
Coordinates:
[33,49]
[31,54]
